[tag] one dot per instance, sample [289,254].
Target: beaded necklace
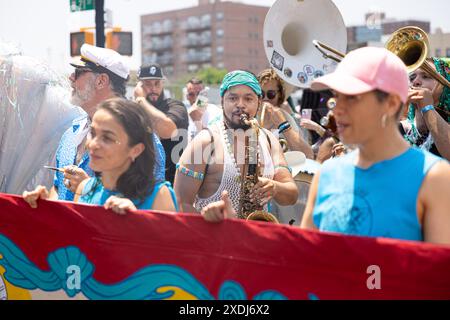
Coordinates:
[229,142]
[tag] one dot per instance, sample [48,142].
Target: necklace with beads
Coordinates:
[229,142]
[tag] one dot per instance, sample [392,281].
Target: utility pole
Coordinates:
[100,22]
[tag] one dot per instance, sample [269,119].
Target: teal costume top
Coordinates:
[95,193]
[380,201]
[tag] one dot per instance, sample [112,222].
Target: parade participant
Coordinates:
[428,125]
[200,111]
[202,182]
[384,188]
[121,152]
[272,117]
[169,117]
[99,75]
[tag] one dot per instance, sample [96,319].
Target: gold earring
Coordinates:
[383,121]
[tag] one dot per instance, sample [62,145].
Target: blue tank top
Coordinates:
[380,201]
[95,193]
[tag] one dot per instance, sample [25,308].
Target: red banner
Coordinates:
[64,250]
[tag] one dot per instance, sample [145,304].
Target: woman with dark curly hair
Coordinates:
[121,150]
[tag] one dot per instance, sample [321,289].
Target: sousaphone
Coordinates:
[290,28]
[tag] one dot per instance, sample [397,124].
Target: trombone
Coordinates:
[410,44]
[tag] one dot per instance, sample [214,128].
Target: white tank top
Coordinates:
[231,173]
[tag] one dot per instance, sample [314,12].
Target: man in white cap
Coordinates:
[169,117]
[384,188]
[100,74]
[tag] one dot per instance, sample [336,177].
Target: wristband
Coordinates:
[284,128]
[283,125]
[426,109]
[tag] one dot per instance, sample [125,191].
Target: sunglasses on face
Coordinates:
[80,71]
[271,94]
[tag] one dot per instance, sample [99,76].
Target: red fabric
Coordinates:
[259,256]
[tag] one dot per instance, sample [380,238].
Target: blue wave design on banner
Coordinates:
[142,285]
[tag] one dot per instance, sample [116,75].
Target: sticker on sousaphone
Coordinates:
[318,74]
[309,70]
[277,61]
[288,72]
[302,77]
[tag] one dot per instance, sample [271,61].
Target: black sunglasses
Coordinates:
[80,71]
[271,94]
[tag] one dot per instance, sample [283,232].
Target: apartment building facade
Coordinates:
[219,34]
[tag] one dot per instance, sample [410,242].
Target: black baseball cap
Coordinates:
[151,72]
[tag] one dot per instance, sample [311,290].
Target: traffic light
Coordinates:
[77,39]
[120,41]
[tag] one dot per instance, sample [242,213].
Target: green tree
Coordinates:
[211,75]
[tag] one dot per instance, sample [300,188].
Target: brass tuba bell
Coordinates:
[411,45]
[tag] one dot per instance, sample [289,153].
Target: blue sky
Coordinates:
[41,28]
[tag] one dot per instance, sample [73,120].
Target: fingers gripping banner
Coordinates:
[67,251]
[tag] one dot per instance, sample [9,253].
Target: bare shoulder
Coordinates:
[164,192]
[440,172]
[163,201]
[437,180]
[203,138]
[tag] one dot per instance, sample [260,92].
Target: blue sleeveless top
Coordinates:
[100,195]
[380,201]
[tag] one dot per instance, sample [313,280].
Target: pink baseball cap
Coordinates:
[367,69]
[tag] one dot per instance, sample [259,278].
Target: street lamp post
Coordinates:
[100,22]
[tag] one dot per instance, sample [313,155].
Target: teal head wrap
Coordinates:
[443,67]
[237,78]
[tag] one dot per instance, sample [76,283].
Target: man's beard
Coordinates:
[81,97]
[158,101]
[235,126]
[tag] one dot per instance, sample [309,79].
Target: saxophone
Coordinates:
[252,210]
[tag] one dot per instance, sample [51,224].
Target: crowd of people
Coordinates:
[384,171]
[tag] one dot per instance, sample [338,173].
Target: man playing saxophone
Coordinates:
[212,169]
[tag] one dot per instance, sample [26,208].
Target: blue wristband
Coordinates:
[426,109]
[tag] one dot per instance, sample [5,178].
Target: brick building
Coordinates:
[220,34]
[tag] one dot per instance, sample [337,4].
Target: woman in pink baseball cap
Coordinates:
[384,188]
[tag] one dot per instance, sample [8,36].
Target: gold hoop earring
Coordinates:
[383,121]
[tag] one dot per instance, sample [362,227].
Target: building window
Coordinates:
[438,52]
[220,33]
[192,67]
[447,52]
[219,16]
[220,49]
[220,65]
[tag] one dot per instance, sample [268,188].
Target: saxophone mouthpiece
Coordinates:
[245,120]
